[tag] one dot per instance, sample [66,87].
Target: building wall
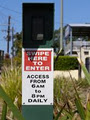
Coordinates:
[66,74]
[83,54]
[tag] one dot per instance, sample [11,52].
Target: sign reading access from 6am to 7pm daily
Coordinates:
[37,76]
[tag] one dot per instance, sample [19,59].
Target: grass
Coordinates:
[66,103]
[11,83]
[71,97]
[70,101]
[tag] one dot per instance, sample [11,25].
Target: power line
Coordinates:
[3,14]
[2,40]
[10,9]
[12,18]
[15,20]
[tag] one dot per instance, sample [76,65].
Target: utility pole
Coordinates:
[12,48]
[12,41]
[8,32]
[61,27]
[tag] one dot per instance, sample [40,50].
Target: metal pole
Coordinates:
[8,36]
[61,27]
[12,49]
[12,41]
[71,42]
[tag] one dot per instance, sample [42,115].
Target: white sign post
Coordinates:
[37,76]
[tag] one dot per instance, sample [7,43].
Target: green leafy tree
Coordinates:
[17,47]
[17,44]
[56,38]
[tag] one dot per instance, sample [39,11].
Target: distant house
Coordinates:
[76,36]
[77,42]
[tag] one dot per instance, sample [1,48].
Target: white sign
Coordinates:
[37,76]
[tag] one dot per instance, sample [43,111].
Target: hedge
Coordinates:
[66,63]
[63,63]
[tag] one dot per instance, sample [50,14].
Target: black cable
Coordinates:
[10,9]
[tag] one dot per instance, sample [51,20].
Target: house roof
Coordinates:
[80,29]
[79,25]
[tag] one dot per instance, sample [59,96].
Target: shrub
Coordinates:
[17,61]
[66,63]
[11,83]
[7,62]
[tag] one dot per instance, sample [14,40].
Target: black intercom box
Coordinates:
[38,25]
